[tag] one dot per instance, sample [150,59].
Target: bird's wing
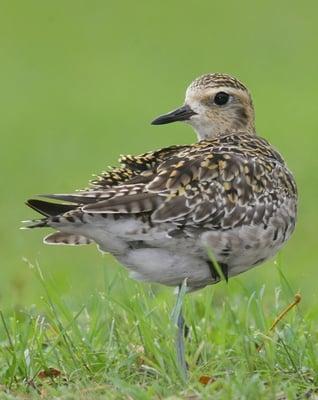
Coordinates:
[219,189]
[221,183]
[132,167]
[119,190]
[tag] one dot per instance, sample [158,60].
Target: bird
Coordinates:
[188,215]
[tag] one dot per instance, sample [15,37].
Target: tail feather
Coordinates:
[78,198]
[69,239]
[49,209]
[35,223]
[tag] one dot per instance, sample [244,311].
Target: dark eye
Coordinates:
[221,98]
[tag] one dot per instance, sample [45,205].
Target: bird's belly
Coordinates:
[178,259]
[247,246]
[167,267]
[170,260]
[151,255]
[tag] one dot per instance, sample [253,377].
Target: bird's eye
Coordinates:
[221,98]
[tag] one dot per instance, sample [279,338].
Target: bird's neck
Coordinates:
[210,131]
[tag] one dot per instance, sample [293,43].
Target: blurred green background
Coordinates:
[80,82]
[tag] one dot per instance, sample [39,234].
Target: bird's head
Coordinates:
[214,104]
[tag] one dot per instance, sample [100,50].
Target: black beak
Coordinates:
[181,114]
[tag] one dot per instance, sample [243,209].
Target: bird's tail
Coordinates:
[48,210]
[53,212]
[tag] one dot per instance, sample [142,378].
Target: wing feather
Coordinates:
[219,183]
[128,204]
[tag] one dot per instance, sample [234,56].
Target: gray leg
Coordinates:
[177,319]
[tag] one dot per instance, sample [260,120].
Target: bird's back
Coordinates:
[230,193]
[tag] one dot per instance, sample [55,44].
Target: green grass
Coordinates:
[80,81]
[121,344]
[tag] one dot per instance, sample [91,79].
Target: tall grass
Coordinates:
[121,344]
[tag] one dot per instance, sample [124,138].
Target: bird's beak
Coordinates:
[181,114]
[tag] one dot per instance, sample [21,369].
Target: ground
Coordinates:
[120,344]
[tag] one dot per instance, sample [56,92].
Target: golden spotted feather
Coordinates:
[232,180]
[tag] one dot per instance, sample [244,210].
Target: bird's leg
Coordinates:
[177,319]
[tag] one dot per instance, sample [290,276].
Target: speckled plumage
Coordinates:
[217,80]
[160,212]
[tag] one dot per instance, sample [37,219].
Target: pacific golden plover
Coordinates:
[161,212]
